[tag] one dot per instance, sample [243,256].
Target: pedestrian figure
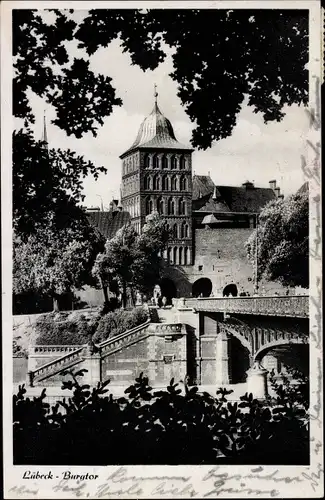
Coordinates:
[164,302]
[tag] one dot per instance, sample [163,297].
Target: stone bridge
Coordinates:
[213,341]
[238,333]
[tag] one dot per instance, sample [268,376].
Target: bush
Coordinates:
[116,322]
[60,329]
[173,428]
[17,350]
[66,329]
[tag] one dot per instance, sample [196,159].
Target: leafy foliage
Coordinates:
[114,323]
[59,329]
[47,185]
[133,261]
[54,244]
[66,328]
[283,241]
[17,350]
[54,261]
[237,53]
[42,65]
[93,427]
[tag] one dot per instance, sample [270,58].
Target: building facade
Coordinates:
[209,223]
[157,177]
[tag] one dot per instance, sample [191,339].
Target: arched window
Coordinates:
[169,254]
[149,206]
[182,207]
[175,231]
[155,161]
[147,161]
[165,183]
[173,163]
[160,205]
[185,256]
[175,255]
[180,255]
[171,206]
[174,183]
[182,163]
[147,182]
[164,162]
[167,228]
[183,183]
[184,230]
[156,182]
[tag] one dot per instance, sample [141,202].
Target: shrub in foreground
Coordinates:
[158,427]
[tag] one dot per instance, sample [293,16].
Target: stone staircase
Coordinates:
[167,315]
[75,359]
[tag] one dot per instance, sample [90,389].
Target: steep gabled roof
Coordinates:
[207,197]
[203,186]
[242,199]
[108,223]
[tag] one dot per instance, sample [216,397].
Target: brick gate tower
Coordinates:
[157,177]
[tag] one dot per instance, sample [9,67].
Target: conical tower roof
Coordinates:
[156,132]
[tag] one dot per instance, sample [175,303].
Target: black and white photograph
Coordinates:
[161,243]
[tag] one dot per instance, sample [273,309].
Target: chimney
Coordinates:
[272,184]
[248,185]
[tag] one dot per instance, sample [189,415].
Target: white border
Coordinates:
[239,481]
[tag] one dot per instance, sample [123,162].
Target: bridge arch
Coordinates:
[278,343]
[240,349]
[246,341]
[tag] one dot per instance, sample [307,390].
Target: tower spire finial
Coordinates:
[44,135]
[155,93]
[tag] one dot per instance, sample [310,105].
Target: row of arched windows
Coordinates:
[166,206]
[178,255]
[129,164]
[172,162]
[132,205]
[131,185]
[179,230]
[166,183]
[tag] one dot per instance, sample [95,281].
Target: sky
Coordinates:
[255,151]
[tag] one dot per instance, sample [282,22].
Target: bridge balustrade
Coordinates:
[291,306]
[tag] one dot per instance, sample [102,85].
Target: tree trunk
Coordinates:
[105,292]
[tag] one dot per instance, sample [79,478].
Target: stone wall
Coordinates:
[160,352]
[220,256]
[159,356]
